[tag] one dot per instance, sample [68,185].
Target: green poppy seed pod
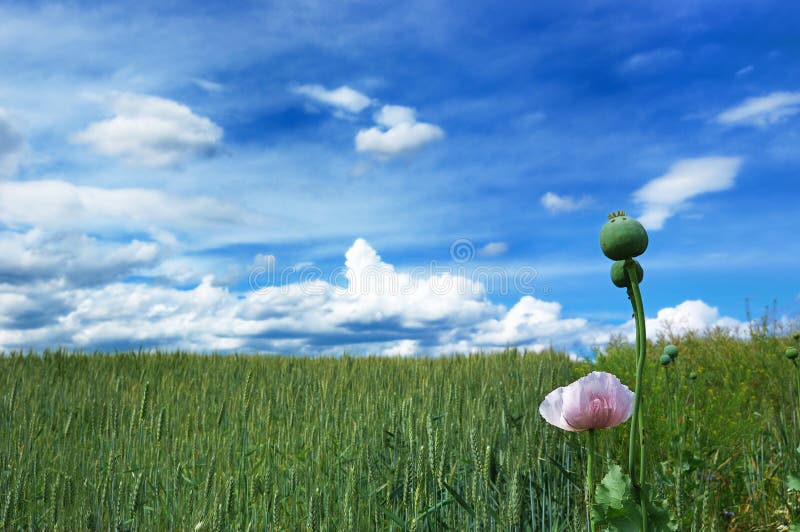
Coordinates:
[693,376]
[671,351]
[796,336]
[622,237]
[791,353]
[620,277]
[665,360]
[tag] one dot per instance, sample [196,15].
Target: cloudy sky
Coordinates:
[395,178]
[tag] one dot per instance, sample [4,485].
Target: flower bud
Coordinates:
[791,353]
[665,360]
[796,336]
[693,376]
[671,351]
[620,277]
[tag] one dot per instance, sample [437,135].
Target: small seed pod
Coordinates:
[665,360]
[791,353]
[671,351]
[693,376]
[796,336]
[620,277]
[622,237]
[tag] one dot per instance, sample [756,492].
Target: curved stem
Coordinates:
[632,439]
[590,480]
[641,348]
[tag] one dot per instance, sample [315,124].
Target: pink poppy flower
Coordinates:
[596,401]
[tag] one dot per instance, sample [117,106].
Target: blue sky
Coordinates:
[319,177]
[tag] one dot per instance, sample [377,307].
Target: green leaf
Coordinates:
[394,517]
[459,499]
[616,508]
[794,482]
[660,519]
[614,505]
[614,489]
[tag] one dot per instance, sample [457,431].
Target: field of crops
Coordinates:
[175,440]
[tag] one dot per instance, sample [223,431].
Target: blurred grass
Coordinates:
[182,441]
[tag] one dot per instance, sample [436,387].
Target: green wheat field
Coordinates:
[143,441]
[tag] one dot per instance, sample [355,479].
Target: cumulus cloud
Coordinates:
[11,146]
[343,98]
[762,110]
[397,132]
[665,195]
[692,315]
[76,259]
[558,204]
[492,249]
[374,309]
[530,321]
[24,308]
[393,115]
[151,131]
[689,316]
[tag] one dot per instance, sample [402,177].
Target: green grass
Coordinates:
[144,441]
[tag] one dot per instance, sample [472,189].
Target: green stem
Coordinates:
[641,348]
[797,373]
[632,439]
[590,480]
[668,389]
[680,429]
[694,413]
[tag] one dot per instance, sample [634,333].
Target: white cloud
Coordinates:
[398,139]
[651,60]
[392,115]
[59,205]
[11,146]
[151,131]
[762,110]
[403,348]
[208,86]
[377,310]
[530,321]
[76,259]
[689,316]
[745,71]
[343,98]
[397,132]
[557,204]
[692,315]
[665,195]
[492,249]
[264,260]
